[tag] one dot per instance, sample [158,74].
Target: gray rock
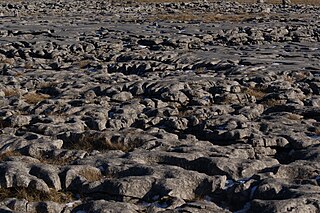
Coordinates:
[17,205]
[47,206]
[16,174]
[75,176]
[139,108]
[295,204]
[17,120]
[123,96]
[104,206]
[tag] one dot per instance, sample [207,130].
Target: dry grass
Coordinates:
[7,60]
[256,92]
[28,65]
[160,1]
[311,2]
[33,195]
[56,160]
[204,17]
[18,74]
[273,102]
[228,17]
[91,174]
[210,17]
[44,85]
[8,154]
[298,75]
[90,143]
[33,98]
[84,63]
[200,70]
[11,92]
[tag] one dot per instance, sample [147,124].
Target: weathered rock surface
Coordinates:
[135,106]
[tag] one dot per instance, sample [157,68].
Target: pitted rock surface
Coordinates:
[159,106]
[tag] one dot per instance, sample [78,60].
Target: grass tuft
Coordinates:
[84,64]
[203,17]
[311,2]
[90,143]
[273,102]
[56,160]
[11,92]
[33,98]
[6,155]
[33,195]
[91,174]
[7,61]
[256,92]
